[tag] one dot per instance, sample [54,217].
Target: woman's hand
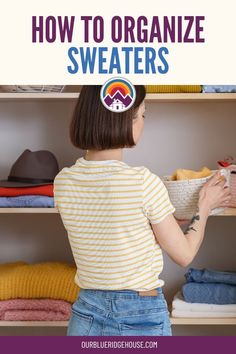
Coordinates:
[214,194]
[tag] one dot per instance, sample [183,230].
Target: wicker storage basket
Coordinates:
[232,186]
[231,183]
[184,195]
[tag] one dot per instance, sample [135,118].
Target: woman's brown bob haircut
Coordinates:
[94,127]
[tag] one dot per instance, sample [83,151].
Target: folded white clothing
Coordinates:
[181,305]
[202,314]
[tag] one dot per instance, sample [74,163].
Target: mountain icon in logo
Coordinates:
[118,94]
[118,101]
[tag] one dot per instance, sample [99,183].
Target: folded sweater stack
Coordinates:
[206,293]
[40,291]
[27,197]
[219,88]
[190,88]
[34,310]
[173,88]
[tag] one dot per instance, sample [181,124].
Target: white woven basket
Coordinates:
[184,195]
[231,180]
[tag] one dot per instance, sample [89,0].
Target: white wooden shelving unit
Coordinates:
[160,97]
[178,97]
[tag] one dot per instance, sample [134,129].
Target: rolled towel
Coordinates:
[210,276]
[209,293]
[53,280]
[34,310]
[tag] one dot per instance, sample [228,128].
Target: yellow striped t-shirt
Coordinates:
[106,208]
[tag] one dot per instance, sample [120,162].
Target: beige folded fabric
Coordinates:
[181,174]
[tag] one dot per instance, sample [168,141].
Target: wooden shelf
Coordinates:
[150,97]
[174,321]
[203,321]
[28,211]
[5,96]
[226,212]
[190,97]
[33,323]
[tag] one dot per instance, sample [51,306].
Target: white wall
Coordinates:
[186,135]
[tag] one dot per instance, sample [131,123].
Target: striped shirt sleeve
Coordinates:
[55,191]
[156,201]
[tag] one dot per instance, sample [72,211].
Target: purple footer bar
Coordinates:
[162,345]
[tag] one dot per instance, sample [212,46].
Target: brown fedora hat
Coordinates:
[32,168]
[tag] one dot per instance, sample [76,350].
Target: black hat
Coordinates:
[32,169]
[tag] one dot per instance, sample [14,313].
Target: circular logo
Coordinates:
[118,94]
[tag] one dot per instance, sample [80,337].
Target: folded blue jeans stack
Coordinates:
[27,201]
[210,287]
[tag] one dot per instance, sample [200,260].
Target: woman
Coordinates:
[118,219]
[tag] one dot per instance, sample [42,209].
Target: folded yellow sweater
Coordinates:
[54,280]
[173,88]
[181,174]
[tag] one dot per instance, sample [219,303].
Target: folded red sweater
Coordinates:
[35,310]
[37,190]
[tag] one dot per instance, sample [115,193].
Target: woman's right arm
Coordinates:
[182,247]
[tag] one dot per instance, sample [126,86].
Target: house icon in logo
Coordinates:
[117,105]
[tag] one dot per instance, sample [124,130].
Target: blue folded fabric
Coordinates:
[209,293]
[218,88]
[27,201]
[210,276]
